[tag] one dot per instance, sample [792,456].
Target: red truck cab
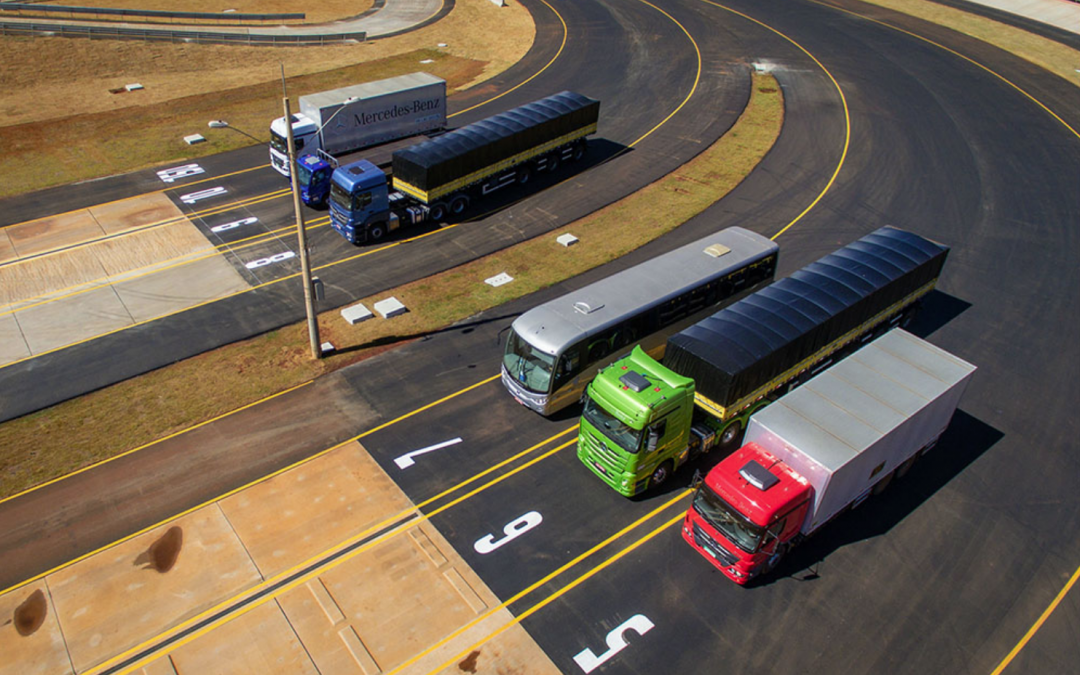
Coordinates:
[746,512]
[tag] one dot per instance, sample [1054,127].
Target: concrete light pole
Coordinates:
[305,265]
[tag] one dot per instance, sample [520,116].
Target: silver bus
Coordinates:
[555,349]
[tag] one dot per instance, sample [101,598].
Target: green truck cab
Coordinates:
[638,424]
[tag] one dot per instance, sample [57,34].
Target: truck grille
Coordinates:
[609,459]
[712,548]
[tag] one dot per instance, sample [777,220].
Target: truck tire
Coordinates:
[730,436]
[437,212]
[661,474]
[376,232]
[882,484]
[459,204]
[523,175]
[579,151]
[553,162]
[902,470]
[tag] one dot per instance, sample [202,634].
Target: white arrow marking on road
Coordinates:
[405,461]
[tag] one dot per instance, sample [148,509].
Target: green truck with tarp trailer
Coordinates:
[642,419]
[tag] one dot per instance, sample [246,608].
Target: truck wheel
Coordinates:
[730,437]
[523,175]
[880,486]
[553,162]
[438,211]
[459,204]
[902,470]
[376,232]
[660,475]
[579,151]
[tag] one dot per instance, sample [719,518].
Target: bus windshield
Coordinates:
[527,365]
[727,520]
[625,437]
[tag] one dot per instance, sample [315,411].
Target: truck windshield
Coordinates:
[303,175]
[339,196]
[727,520]
[625,437]
[279,143]
[527,365]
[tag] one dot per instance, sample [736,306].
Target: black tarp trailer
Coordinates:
[782,334]
[485,155]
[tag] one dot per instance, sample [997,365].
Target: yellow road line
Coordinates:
[564,590]
[957,54]
[1038,624]
[300,580]
[242,487]
[532,587]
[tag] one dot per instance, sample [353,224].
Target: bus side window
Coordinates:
[569,365]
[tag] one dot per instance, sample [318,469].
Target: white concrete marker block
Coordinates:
[356,314]
[133,87]
[566,239]
[390,307]
[499,279]
[428,61]
[327,347]
[193,139]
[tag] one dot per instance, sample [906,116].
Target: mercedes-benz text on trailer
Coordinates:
[342,120]
[823,448]
[442,175]
[555,349]
[642,420]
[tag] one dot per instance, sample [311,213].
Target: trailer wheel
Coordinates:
[377,232]
[661,474]
[579,151]
[902,470]
[553,162]
[438,211]
[882,484]
[459,204]
[730,437]
[523,175]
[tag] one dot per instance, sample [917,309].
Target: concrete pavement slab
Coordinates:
[30,637]
[7,249]
[164,245]
[124,595]
[261,641]
[303,512]
[63,322]
[154,295]
[126,214]
[35,280]
[12,343]
[53,232]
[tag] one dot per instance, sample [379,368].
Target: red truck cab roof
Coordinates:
[757,484]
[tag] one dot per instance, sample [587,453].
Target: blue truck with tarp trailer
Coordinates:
[443,175]
[718,372]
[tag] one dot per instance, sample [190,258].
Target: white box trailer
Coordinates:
[855,423]
[361,115]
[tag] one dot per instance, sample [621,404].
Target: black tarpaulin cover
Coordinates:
[733,352]
[456,154]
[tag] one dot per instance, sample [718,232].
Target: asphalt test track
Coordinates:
[943,575]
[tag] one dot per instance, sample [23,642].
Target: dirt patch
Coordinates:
[31,614]
[162,554]
[468,665]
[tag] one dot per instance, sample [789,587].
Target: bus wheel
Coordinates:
[438,211]
[660,475]
[730,436]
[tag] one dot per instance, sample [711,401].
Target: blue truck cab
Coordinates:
[360,202]
[313,173]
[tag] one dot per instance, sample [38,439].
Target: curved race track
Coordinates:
[889,121]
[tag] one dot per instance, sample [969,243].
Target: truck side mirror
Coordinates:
[695,482]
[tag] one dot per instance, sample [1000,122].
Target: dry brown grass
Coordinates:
[1053,56]
[316,12]
[60,439]
[56,106]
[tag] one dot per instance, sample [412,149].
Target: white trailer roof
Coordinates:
[846,409]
